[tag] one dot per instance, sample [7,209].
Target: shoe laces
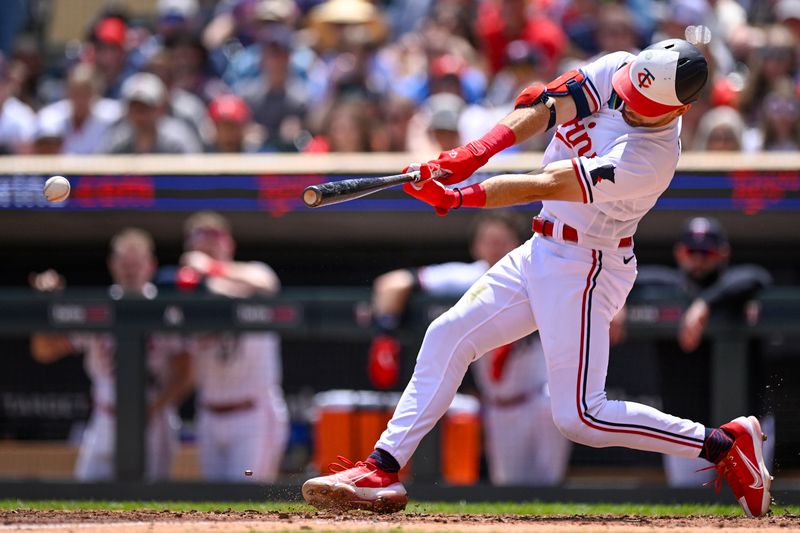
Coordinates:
[728,474]
[347,464]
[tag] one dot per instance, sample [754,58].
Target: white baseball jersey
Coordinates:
[233,367]
[622,170]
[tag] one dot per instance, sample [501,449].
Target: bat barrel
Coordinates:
[312,196]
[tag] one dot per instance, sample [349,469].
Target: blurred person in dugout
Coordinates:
[715,288]
[523,445]
[132,264]
[243,420]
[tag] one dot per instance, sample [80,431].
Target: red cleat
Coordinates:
[743,466]
[356,486]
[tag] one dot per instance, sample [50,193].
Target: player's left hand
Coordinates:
[456,165]
[693,323]
[433,193]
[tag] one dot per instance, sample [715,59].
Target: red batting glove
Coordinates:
[433,193]
[454,166]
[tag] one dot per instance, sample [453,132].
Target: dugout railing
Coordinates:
[333,313]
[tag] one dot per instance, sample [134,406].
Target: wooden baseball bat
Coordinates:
[336,192]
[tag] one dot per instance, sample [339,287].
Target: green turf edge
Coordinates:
[532,508]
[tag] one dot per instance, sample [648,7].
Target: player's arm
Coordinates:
[537,109]
[557,181]
[233,278]
[50,347]
[179,383]
[390,293]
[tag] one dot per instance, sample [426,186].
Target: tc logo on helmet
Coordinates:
[646,79]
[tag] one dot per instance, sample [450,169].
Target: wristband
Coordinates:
[472,196]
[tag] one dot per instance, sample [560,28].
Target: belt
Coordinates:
[226,408]
[568,233]
[510,401]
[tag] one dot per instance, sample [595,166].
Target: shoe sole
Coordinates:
[341,497]
[753,427]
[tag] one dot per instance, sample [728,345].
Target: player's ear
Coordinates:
[681,110]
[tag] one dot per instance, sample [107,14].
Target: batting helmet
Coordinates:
[663,77]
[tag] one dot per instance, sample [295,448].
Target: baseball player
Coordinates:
[132,265]
[243,421]
[523,446]
[613,154]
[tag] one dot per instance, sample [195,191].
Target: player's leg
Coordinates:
[96,454]
[575,292]
[550,450]
[162,443]
[211,452]
[495,311]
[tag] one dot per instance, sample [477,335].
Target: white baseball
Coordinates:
[56,189]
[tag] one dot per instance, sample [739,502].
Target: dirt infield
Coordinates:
[255,521]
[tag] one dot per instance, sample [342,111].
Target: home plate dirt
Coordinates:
[255,521]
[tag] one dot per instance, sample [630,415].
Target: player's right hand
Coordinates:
[47,281]
[433,193]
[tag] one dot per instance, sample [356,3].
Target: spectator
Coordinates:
[191,68]
[232,123]
[395,114]
[243,420]
[523,445]
[501,21]
[721,129]
[435,128]
[49,137]
[616,30]
[86,117]
[144,129]
[131,263]
[346,128]
[108,40]
[278,98]
[181,104]
[270,20]
[770,64]
[717,289]
[17,120]
[780,120]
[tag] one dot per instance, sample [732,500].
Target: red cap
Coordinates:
[111,31]
[447,65]
[229,108]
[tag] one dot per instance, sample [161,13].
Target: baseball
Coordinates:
[248,472]
[56,189]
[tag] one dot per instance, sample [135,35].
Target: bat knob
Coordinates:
[312,196]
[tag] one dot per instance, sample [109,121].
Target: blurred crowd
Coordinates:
[358,76]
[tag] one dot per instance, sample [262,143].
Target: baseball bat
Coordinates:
[336,192]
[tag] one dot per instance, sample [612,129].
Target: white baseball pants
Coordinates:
[570,294]
[252,439]
[523,446]
[96,454]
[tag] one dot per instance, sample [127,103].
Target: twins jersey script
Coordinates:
[622,170]
[523,446]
